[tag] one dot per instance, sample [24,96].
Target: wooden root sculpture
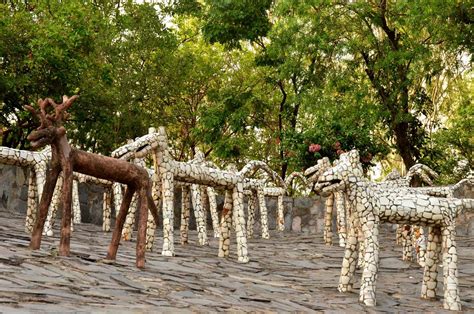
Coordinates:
[68,159]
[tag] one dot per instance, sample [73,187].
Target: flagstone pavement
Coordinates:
[289,273]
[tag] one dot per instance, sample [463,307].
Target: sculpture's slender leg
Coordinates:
[168,213]
[152,221]
[263,214]
[252,205]
[211,193]
[430,274]
[66,200]
[32,202]
[46,197]
[40,177]
[281,213]
[141,233]
[450,269]
[226,224]
[53,208]
[421,247]
[239,220]
[127,231]
[370,228]
[199,214]
[407,243]
[106,207]
[341,218]
[118,196]
[76,206]
[119,222]
[329,204]
[349,261]
[399,236]
[205,206]
[185,209]
[156,193]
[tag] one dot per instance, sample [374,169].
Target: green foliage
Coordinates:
[229,21]
[451,151]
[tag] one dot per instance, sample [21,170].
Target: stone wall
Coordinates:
[302,214]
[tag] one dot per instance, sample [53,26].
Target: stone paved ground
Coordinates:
[289,272]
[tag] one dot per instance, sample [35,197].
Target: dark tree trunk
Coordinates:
[403,143]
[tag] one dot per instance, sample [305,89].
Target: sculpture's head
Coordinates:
[315,171]
[51,127]
[335,178]
[425,173]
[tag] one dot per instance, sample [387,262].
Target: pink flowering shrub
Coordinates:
[314,148]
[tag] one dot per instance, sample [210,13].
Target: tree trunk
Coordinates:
[403,143]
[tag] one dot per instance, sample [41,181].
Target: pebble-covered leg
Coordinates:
[32,202]
[226,225]
[349,262]
[46,198]
[370,228]
[328,219]
[53,208]
[151,224]
[252,205]
[341,218]
[127,230]
[407,243]
[398,236]
[263,214]
[239,220]
[106,210]
[76,205]
[185,209]
[117,196]
[430,273]
[39,171]
[450,269]
[421,246]
[168,213]
[211,193]
[199,214]
[156,196]
[281,214]
[204,206]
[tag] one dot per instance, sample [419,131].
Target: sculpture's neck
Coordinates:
[62,147]
[357,187]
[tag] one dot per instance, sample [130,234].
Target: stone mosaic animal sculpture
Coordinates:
[195,193]
[171,171]
[404,233]
[372,206]
[257,189]
[200,196]
[313,173]
[68,159]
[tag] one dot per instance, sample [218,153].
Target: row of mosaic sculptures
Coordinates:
[253,188]
[369,205]
[199,172]
[66,159]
